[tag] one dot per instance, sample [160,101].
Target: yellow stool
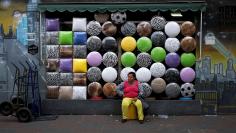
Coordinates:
[132,113]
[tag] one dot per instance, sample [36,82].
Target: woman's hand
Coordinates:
[135,99]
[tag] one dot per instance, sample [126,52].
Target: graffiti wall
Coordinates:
[216,76]
[11,12]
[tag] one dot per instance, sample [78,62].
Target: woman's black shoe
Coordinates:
[141,121]
[123,120]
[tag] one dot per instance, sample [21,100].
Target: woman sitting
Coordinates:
[131,91]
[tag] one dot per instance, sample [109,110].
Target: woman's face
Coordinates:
[130,78]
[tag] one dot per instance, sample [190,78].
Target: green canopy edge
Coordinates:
[113,7]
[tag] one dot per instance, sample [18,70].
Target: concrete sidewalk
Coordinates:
[112,124]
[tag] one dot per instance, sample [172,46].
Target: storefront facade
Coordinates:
[79,62]
[118,51]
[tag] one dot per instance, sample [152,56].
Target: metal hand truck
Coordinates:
[23,105]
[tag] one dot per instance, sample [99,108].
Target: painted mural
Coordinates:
[10,13]
[216,70]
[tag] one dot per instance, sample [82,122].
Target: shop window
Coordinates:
[157,46]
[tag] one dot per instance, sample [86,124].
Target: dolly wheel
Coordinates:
[24,114]
[17,100]
[6,108]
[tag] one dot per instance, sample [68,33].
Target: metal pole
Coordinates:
[40,43]
[200,50]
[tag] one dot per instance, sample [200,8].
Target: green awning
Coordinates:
[113,7]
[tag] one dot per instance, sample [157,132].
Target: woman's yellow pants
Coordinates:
[125,106]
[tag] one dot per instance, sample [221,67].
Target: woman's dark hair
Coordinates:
[133,74]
